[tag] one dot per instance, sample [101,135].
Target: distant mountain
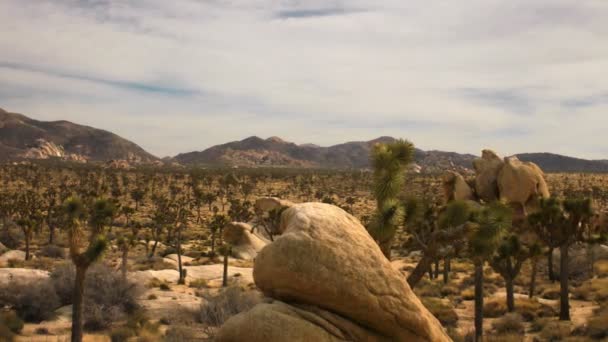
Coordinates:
[22,137]
[258,152]
[550,162]
[276,152]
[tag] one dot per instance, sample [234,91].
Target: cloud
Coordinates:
[180,76]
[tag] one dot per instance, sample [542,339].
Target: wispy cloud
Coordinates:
[179,76]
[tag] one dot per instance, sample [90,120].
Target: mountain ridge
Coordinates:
[24,137]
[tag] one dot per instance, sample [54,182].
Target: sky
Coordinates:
[179,76]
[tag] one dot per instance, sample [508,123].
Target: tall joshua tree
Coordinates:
[82,258]
[507,262]
[486,235]
[389,162]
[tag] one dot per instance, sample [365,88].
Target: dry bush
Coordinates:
[33,301]
[549,291]
[198,283]
[503,338]
[592,290]
[155,263]
[428,288]
[529,309]
[449,290]
[52,251]
[556,331]
[108,296]
[179,334]
[601,268]
[232,300]
[597,325]
[10,323]
[468,294]
[511,323]
[443,311]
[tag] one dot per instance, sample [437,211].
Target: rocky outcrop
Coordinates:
[245,244]
[11,255]
[43,149]
[329,281]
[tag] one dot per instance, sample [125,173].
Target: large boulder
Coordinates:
[327,263]
[522,183]
[486,170]
[11,255]
[456,188]
[245,244]
[22,275]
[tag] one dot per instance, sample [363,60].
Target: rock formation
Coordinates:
[245,244]
[327,280]
[521,184]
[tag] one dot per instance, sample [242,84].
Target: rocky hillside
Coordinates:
[550,162]
[258,152]
[22,137]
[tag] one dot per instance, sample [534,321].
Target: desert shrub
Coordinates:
[41,263]
[601,268]
[42,331]
[503,338]
[167,251]
[443,311]
[33,302]
[152,296]
[538,324]
[550,291]
[121,334]
[52,251]
[511,323]
[164,287]
[11,321]
[468,294]
[179,333]
[449,290]
[592,290]
[529,309]
[597,325]
[6,334]
[427,288]
[231,301]
[155,263]
[556,331]
[198,283]
[108,296]
[11,237]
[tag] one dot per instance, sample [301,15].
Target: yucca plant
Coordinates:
[389,162]
[82,257]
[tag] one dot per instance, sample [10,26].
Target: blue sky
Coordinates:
[177,76]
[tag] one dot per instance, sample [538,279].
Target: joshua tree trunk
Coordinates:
[225,276]
[123,266]
[385,247]
[213,243]
[418,272]
[436,269]
[181,280]
[510,296]
[28,238]
[533,278]
[51,234]
[478,301]
[564,303]
[153,248]
[77,306]
[550,264]
[446,270]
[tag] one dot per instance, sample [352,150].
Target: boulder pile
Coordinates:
[327,280]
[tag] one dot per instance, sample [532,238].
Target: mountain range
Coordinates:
[22,137]
[25,138]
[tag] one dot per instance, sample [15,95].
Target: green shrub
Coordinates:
[556,331]
[198,283]
[597,325]
[121,334]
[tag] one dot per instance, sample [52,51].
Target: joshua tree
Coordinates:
[82,259]
[535,251]
[434,236]
[138,196]
[507,262]
[488,229]
[225,250]
[544,223]
[561,224]
[29,205]
[218,222]
[389,162]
